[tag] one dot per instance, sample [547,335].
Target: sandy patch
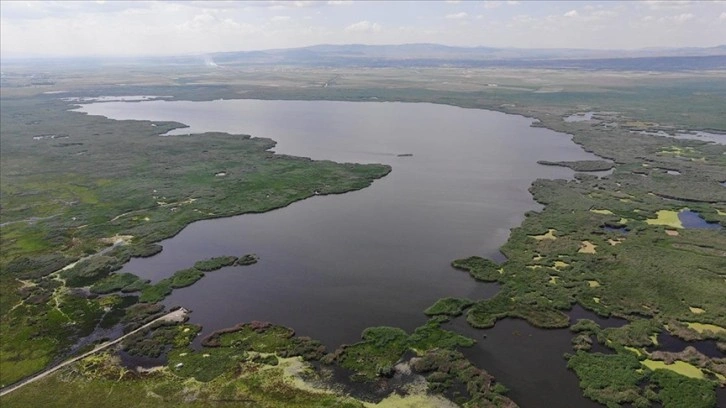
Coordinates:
[604,212]
[549,235]
[696,310]
[587,247]
[672,233]
[117,239]
[705,327]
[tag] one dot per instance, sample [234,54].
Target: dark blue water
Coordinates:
[621,230]
[667,342]
[691,219]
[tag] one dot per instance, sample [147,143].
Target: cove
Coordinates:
[330,266]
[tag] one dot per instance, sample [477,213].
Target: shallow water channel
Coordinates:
[331,266]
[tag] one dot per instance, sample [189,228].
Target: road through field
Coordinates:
[176,316]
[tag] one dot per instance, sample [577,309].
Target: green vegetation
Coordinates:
[678,391]
[257,362]
[105,383]
[479,268]
[125,282]
[213,264]
[180,279]
[638,333]
[64,199]
[610,379]
[249,259]
[581,165]
[445,369]
[90,270]
[382,347]
[615,379]
[448,307]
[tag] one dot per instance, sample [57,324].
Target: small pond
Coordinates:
[691,219]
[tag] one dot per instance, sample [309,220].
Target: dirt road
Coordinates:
[176,316]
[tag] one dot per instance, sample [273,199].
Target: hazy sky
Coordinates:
[183,27]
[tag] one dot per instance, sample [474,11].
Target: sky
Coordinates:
[105,28]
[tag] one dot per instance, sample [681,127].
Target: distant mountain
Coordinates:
[431,55]
[354,54]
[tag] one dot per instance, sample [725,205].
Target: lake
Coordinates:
[330,266]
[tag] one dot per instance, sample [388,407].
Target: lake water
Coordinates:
[692,219]
[331,266]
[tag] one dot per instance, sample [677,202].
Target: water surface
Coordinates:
[692,219]
[331,266]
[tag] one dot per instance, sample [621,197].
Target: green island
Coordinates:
[612,244]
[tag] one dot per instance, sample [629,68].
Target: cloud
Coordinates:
[677,19]
[457,16]
[571,13]
[668,4]
[339,2]
[364,26]
[280,18]
[722,17]
[682,18]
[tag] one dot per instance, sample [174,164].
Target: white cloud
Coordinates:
[339,2]
[303,3]
[571,13]
[280,18]
[668,4]
[682,18]
[457,16]
[722,17]
[364,26]
[677,19]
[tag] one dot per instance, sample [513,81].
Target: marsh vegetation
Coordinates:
[615,245]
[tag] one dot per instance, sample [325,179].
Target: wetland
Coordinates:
[545,261]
